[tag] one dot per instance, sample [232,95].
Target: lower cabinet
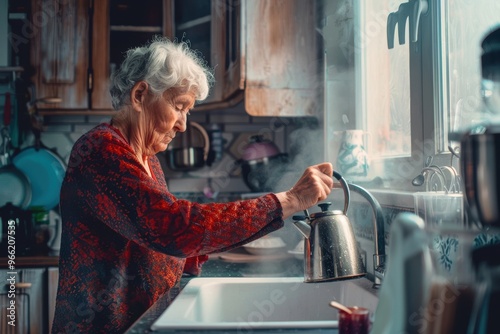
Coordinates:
[53,279]
[27,299]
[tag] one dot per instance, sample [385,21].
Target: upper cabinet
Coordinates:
[282,62]
[59,51]
[213,28]
[260,50]
[119,25]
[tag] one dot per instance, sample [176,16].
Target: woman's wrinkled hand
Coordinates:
[314,185]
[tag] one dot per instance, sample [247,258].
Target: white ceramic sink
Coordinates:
[253,303]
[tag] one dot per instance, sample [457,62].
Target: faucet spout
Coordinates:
[379,233]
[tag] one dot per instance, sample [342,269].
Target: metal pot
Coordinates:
[186,158]
[262,175]
[189,150]
[262,164]
[480,169]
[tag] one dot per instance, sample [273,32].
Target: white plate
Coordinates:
[265,245]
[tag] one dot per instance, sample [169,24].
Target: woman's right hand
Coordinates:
[314,185]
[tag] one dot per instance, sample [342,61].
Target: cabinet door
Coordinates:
[212,28]
[230,48]
[281,58]
[59,51]
[119,25]
[52,284]
[29,286]
[101,98]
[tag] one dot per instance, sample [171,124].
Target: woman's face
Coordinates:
[168,115]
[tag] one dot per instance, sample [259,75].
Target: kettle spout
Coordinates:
[303,227]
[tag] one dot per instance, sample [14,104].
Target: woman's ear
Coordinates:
[138,95]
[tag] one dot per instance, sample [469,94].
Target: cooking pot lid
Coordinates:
[45,170]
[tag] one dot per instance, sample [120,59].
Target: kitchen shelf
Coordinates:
[32,261]
[194,23]
[152,29]
[11,69]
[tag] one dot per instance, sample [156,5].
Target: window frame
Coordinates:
[429,109]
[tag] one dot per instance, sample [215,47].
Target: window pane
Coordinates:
[466,22]
[385,76]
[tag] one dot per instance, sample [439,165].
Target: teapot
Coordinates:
[330,248]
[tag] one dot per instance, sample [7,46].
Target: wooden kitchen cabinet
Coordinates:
[59,51]
[119,25]
[74,58]
[78,43]
[212,27]
[27,288]
[282,62]
[264,51]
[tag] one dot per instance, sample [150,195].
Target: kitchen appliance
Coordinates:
[480,162]
[330,248]
[262,164]
[14,218]
[189,150]
[480,146]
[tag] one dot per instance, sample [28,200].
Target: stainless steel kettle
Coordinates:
[330,248]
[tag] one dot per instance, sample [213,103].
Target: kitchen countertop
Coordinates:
[215,267]
[289,267]
[48,259]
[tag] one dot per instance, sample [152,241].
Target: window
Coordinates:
[406,99]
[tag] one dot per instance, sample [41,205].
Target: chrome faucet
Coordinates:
[378,235]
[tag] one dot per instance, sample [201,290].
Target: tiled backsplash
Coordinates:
[289,134]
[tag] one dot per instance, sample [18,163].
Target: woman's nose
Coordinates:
[181,123]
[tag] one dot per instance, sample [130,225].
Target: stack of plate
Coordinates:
[265,245]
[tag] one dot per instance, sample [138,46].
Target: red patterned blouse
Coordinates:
[125,237]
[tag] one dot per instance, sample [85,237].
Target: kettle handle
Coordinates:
[345,187]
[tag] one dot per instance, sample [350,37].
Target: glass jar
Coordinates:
[484,318]
[41,232]
[490,66]
[452,283]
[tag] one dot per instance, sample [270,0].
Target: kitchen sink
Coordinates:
[262,303]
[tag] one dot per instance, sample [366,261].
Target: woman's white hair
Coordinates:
[163,64]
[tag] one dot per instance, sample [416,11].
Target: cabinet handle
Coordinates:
[20,285]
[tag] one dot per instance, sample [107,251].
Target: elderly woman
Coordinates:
[126,240]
